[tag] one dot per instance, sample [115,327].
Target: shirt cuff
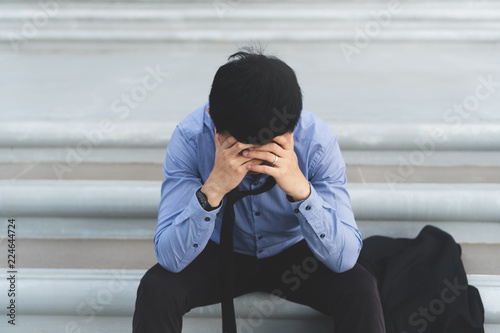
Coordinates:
[309,211]
[203,219]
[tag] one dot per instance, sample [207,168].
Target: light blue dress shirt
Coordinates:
[265,224]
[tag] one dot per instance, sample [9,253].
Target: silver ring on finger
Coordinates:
[275,159]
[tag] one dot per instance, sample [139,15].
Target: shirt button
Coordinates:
[296,210]
[260,251]
[195,245]
[308,207]
[322,235]
[257,213]
[207,219]
[260,237]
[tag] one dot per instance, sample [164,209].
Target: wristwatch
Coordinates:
[203,200]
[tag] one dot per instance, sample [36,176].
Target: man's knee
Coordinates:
[158,304]
[364,285]
[157,285]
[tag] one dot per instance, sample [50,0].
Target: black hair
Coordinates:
[255,97]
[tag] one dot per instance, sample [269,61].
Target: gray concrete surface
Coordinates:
[403,82]
[139,254]
[388,135]
[234,21]
[150,171]
[66,292]
[140,199]
[56,324]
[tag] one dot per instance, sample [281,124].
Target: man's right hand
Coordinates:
[229,168]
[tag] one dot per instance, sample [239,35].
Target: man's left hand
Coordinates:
[286,170]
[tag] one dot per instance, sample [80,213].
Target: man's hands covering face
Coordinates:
[286,171]
[230,167]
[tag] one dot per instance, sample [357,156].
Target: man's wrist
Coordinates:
[303,195]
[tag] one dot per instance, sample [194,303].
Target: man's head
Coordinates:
[255,98]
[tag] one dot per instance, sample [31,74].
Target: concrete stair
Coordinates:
[65,209]
[222,21]
[105,297]
[80,168]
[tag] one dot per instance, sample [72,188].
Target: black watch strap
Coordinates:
[203,200]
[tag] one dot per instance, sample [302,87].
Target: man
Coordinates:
[297,240]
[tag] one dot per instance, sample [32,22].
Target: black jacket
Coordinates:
[422,283]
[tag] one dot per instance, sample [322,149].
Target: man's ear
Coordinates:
[208,111]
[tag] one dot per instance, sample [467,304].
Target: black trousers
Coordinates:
[351,298]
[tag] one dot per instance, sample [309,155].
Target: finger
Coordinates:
[242,160]
[261,155]
[232,144]
[229,142]
[284,141]
[262,168]
[240,146]
[253,161]
[272,147]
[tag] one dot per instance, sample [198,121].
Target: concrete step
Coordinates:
[61,162]
[239,21]
[356,173]
[353,135]
[401,84]
[379,152]
[140,199]
[90,294]
[53,253]
[143,228]
[57,324]
[128,209]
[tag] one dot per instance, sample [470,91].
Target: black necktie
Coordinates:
[227,257]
